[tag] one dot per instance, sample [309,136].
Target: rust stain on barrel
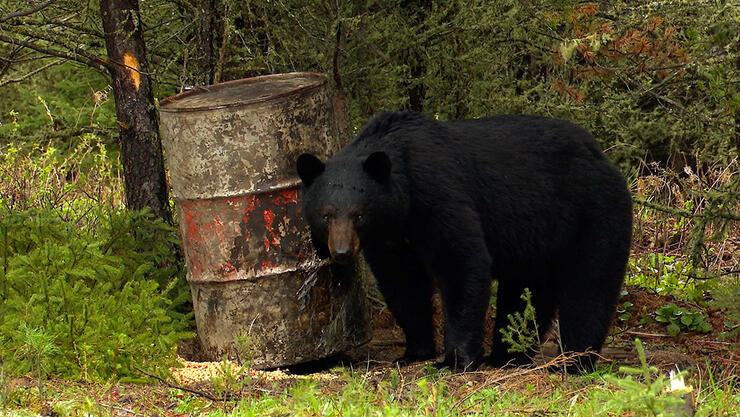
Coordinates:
[246,237]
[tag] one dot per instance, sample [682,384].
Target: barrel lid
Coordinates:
[243,92]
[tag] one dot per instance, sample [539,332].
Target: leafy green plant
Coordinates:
[679,319]
[245,349]
[664,275]
[624,311]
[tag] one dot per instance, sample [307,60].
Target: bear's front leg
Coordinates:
[407,291]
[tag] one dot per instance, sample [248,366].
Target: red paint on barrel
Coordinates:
[245,237]
[250,200]
[285,197]
[226,268]
[290,196]
[269,216]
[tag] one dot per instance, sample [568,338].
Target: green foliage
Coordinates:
[87,290]
[664,275]
[679,319]
[186,404]
[646,396]
[76,183]
[61,105]
[229,379]
[521,333]
[653,79]
[726,297]
[87,303]
[624,311]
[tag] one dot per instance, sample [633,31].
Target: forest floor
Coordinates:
[218,388]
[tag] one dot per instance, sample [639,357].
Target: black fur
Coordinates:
[529,201]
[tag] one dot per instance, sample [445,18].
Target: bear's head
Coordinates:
[346,200]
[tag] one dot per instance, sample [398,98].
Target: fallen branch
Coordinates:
[225,397]
[182,388]
[555,363]
[684,213]
[708,277]
[125,410]
[648,334]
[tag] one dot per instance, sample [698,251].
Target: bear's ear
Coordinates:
[309,168]
[378,165]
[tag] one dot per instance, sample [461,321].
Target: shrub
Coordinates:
[106,299]
[99,286]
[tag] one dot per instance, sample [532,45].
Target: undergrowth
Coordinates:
[88,290]
[640,391]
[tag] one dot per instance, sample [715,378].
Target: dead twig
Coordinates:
[648,334]
[556,362]
[125,410]
[225,397]
[182,388]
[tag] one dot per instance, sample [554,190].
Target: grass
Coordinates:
[387,391]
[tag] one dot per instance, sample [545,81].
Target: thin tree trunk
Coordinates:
[141,149]
[205,26]
[418,11]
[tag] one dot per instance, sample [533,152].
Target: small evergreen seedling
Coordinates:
[521,333]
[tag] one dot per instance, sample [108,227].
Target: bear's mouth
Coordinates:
[342,258]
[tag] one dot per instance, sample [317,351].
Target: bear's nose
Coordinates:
[342,256]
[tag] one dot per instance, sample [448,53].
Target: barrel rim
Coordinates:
[320,77]
[281,184]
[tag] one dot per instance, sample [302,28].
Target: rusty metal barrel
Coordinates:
[259,291]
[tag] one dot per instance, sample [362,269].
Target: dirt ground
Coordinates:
[687,351]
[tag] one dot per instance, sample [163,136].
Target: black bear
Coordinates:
[529,201]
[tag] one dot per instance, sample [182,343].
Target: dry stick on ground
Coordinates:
[225,397]
[647,334]
[558,361]
[126,410]
[181,388]
[684,213]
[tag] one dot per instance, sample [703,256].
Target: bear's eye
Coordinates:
[327,218]
[358,218]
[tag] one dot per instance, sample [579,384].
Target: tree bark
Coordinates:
[141,149]
[417,13]
[205,56]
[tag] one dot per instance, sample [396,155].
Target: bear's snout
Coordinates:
[343,241]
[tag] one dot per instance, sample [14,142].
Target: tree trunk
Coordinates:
[141,149]
[417,13]
[205,25]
